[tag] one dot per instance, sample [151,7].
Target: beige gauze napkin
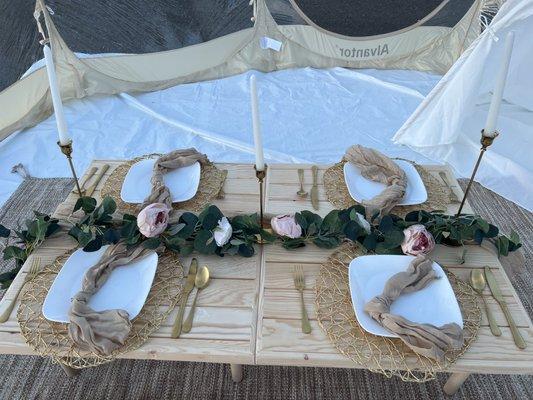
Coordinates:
[379,168]
[424,339]
[168,162]
[101,331]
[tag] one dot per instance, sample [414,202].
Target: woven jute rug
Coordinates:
[37,378]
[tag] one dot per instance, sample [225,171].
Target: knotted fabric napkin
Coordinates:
[379,168]
[101,331]
[168,162]
[424,339]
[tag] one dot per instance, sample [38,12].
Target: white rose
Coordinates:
[363,223]
[222,233]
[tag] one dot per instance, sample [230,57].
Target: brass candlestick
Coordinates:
[260,175]
[66,149]
[486,141]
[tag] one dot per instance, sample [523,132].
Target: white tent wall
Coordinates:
[422,48]
[447,125]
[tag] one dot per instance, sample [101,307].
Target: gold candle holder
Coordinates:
[66,149]
[260,175]
[486,141]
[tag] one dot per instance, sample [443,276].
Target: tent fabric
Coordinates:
[427,47]
[300,110]
[449,130]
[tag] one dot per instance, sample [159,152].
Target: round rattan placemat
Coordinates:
[388,356]
[337,193]
[50,339]
[211,182]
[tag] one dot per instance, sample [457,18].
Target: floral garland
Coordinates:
[210,232]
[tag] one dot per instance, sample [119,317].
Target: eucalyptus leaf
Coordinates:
[14,252]
[4,232]
[95,244]
[152,243]
[87,204]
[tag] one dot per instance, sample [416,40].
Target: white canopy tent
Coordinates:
[447,124]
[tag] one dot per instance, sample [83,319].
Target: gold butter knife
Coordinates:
[189,286]
[90,190]
[453,196]
[496,292]
[90,174]
[314,189]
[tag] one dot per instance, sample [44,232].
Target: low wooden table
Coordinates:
[250,313]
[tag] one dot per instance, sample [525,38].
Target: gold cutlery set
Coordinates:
[314,188]
[199,278]
[34,270]
[94,171]
[478,280]
[299,284]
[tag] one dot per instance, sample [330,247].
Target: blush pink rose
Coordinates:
[417,240]
[153,219]
[286,225]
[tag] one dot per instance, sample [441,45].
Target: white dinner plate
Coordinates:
[435,304]
[126,288]
[182,182]
[361,188]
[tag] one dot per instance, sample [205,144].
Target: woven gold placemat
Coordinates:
[50,339]
[337,193]
[211,182]
[388,356]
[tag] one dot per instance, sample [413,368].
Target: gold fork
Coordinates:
[33,271]
[299,284]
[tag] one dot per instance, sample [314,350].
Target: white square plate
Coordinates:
[436,304]
[126,288]
[361,188]
[182,182]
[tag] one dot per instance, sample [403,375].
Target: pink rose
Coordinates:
[153,219]
[417,240]
[286,225]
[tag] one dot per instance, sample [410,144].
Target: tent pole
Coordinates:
[486,141]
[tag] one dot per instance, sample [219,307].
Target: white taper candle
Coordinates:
[258,140]
[499,86]
[64,137]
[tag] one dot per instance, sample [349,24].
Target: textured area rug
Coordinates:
[38,378]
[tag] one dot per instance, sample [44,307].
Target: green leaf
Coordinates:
[246,250]
[209,217]
[483,225]
[386,224]
[331,222]
[4,232]
[129,229]
[190,220]
[267,236]
[108,205]
[87,204]
[14,252]
[112,235]
[300,220]
[393,239]
[95,244]
[492,232]
[152,243]
[326,242]
[293,243]
[503,245]
[248,223]
[411,216]
[370,242]
[353,230]
[204,243]
[174,229]
[514,238]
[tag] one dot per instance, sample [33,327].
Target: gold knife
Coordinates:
[314,189]
[453,196]
[496,292]
[90,190]
[189,286]
[90,174]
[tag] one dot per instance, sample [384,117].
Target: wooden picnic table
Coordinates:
[250,313]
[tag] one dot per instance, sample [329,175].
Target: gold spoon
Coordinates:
[301,193]
[201,281]
[477,281]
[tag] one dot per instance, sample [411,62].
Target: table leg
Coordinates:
[71,372]
[454,382]
[236,372]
